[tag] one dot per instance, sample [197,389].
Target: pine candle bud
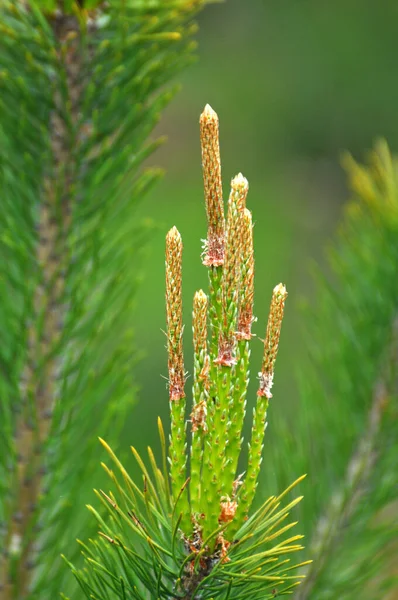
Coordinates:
[199,326]
[245,315]
[200,396]
[177,448]
[174,314]
[232,269]
[237,404]
[201,361]
[209,138]
[222,376]
[271,344]
[271,341]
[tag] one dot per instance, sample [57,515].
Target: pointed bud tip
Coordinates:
[173,235]
[240,182]
[280,290]
[208,114]
[200,296]
[208,110]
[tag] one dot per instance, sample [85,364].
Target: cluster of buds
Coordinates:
[214,501]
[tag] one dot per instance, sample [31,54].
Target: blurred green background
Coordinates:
[294,82]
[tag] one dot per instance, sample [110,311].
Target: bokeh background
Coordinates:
[295,82]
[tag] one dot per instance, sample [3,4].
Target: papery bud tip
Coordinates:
[173,233]
[240,182]
[209,113]
[280,290]
[200,296]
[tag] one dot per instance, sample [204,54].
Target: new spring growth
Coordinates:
[243,335]
[220,498]
[201,361]
[200,392]
[231,278]
[214,248]
[177,450]
[271,342]
[245,315]
[174,314]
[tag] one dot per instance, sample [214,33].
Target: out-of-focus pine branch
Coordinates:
[345,435]
[82,85]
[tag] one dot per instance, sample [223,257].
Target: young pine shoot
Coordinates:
[188,531]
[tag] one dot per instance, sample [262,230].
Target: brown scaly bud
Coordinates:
[174,314]
[271,341]
[232,269]
[228,510]
[245,315]
[211,164]
[224,546]
[198,416]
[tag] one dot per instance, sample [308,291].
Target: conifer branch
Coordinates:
[178,444]
[202,543]
[211,163]
[329,531]
[346,421]
[39,379]
[237,405]
[200,395]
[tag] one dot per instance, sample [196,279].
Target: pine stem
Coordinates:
[191,584]
[209,479]
[220,424]
[215,314]
[249,485]
[178,445]
[237,410]
[178,449]
[200,398]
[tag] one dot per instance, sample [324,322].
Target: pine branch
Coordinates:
[40,374]
[195,539]
[331,528]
